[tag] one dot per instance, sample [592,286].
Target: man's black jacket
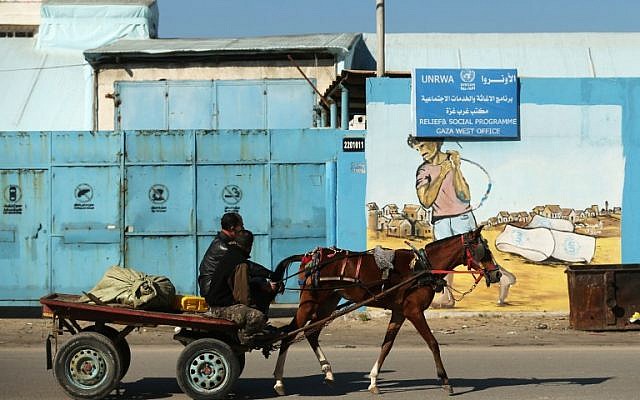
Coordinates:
[211,260]
[221,293]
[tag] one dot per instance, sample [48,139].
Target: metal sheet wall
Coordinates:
[229,104]
[73,205]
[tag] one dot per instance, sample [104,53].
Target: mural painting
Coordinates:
[548,200]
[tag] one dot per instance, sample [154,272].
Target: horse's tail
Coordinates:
[283,266]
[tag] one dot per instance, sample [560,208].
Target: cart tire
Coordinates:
[207,369]
[87,366]
[122,345]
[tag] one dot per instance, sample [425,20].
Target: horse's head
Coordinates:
[478,256]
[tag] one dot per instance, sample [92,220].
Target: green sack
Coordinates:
[134,289]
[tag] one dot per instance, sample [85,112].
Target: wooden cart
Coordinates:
[95,358]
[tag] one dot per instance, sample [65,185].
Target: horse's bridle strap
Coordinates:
[443,271]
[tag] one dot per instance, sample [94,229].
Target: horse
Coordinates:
[329,275]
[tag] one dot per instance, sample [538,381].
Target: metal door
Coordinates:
[235,188]
[85,235]
[24,267]
[290,104]
[241,104]
[159,205]
[159,223]
[141,105]
[191,105]
[298,207]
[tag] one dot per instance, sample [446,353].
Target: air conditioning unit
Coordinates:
[358,122]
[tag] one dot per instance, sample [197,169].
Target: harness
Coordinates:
[315,260]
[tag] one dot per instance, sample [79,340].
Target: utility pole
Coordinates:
[380,36]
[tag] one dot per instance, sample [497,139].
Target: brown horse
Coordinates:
[332,274]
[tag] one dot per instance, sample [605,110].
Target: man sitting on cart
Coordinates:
[231,296]
[230,224]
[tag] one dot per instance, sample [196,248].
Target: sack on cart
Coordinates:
[133,289]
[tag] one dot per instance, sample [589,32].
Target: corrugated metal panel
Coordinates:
[50,90]
[574,55]
[331,41]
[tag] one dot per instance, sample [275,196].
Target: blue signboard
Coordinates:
[465,103]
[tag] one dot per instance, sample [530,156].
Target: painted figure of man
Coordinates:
[441,185]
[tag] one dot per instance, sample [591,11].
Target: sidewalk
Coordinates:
[368,329]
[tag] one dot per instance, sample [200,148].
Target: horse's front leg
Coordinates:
[414,311]
[278,372]
[397,319]
[324,310]
[305,312]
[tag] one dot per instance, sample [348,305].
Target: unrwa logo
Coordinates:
[467,75]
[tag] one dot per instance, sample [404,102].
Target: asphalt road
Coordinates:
[491,372]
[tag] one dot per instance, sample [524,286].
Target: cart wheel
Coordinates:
[207,369]
[87,366]
[122,345]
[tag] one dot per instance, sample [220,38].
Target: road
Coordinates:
[491,372]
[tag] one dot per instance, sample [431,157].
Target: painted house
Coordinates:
[399,228]
[422,229]
[415,212]
[569,214]
[552,211]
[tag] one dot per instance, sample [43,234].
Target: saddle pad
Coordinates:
[384,259]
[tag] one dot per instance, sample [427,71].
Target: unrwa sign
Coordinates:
[462,103]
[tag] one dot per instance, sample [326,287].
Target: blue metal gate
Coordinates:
[76,203]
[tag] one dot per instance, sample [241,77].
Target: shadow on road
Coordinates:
[348,382]
[146,388]
[465,385]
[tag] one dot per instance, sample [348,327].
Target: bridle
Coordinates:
[474,250]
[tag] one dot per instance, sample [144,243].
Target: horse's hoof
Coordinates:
[329,382]
[448,389]
[374,389]
[279,390]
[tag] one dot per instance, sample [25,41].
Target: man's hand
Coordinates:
[445,168]
[454,156]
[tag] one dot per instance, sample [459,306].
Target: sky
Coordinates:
[242,18]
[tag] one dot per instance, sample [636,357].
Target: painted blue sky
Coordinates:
[240,18]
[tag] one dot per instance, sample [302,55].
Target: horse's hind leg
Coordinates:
[397,319]
[416,316]
[324,310]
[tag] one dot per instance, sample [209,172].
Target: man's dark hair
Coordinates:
[413,140]
[244,239]
[229,220]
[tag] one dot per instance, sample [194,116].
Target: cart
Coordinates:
[91,363]
[94,360]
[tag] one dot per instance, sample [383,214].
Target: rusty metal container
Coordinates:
[603,297]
